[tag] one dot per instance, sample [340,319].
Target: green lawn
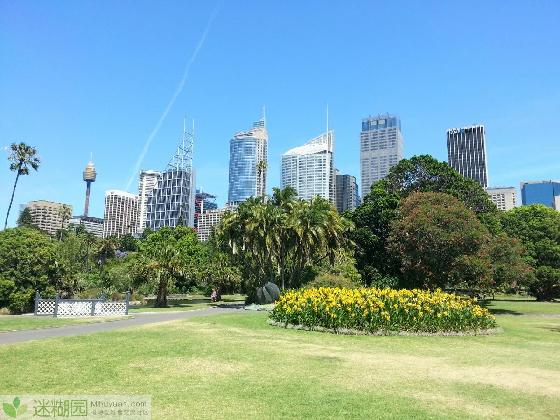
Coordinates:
[26,322]
[193,302]
[236,365]
[514,305]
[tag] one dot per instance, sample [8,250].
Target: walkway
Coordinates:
[79,329]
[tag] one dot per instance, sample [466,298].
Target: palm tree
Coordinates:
[261,170]
[22,157]
[65,213]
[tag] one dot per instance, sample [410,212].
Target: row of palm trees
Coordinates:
[281,238]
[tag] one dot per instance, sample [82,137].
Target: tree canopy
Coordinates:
[281,239]
[538,229]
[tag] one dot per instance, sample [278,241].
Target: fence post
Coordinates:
[55,306]
[127,302]
[93,302]
[37,297]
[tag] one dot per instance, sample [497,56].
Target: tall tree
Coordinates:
[25,219]
[170,254]
[373,217]
[440,243]
[538,228]
[65,213]
[22,158]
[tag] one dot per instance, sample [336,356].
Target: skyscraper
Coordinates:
[504,198]
[203,202]
[89,177]
[381,148]
[248,157]
[346,193]
[466,152]
[121,213]
[309,169]
[172,200]
[541,192]
[146,184]
[49,216]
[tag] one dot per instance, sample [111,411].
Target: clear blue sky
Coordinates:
[96,76]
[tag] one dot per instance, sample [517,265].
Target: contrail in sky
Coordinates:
[178,91]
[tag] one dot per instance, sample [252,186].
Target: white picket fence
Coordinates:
[58,307]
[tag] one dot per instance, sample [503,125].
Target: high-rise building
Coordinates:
[466,152]
[203,202]
[248,157]
[309,169]
[121,213]
[381,148]
[49,216]
[89,176]
[208,220]
[346,193]
[541,192]
[146,184]
[93,225]
[172,200]
[503,197]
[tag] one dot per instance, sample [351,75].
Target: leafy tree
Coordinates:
[538,228]
[74,256]
[168,255]
[22,158]
[426,174]
[27,263]
[128,243]
[440,243]
[372,219]
[510,270]
[25,219]
[106,248]
[215,270]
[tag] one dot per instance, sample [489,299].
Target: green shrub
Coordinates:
[21,301]
[7,287]
[381,311]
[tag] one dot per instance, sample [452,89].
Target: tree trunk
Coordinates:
[11,201]
[161,299]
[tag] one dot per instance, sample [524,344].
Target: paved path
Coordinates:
[79,329]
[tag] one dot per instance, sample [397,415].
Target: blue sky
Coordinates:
[81,77]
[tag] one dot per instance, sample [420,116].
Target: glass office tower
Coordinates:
[466,152]
[248,151]
[541,192]
[381,148]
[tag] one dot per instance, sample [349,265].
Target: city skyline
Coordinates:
[76,105]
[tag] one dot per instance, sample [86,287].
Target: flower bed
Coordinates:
[381,311]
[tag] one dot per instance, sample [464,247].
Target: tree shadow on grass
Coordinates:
[498,311]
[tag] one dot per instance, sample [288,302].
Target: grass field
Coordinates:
[26,322]
[236,365]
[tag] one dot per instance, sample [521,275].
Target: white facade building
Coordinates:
[381,148]
[207,221]
[503,198]
[309,169]
[49,216]
[147,182]
[121,213]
